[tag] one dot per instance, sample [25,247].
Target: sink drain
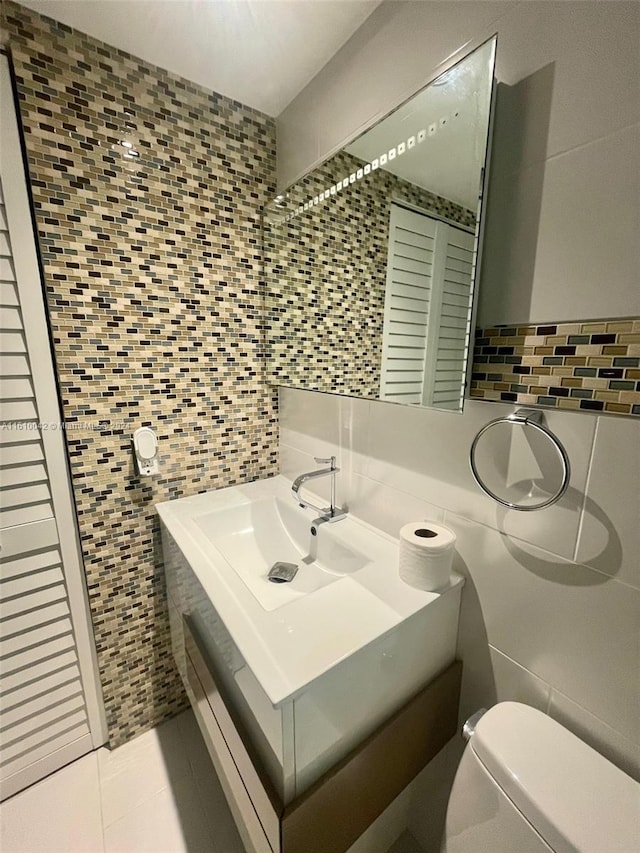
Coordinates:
[282,572]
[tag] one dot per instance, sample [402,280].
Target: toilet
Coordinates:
[527,785]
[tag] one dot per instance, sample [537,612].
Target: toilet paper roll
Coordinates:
[426,555]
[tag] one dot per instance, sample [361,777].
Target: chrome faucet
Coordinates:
[329,513]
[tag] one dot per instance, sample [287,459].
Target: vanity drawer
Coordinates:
[257,817]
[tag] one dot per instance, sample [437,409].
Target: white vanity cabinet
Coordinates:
[289,758]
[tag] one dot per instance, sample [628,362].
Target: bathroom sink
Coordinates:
[346,593]
[254,536]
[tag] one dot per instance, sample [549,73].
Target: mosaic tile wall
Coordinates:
[147,190]
[592,366]
[326,272]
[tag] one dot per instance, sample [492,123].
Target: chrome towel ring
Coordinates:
[525,418]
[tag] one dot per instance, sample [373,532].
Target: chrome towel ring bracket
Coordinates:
[525,418]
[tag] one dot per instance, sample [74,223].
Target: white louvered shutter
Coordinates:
[407,304]
[447,353]
[46,719]
[427,310]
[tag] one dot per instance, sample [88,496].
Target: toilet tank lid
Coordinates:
[573,796]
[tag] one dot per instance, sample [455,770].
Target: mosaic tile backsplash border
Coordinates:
[592,366]
[147,191]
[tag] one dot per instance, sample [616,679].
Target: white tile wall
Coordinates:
[622,751]
[425,454]
[537,624]
[513,215]
[593,54]
[563,197]
[388,508]
[587,233]
[573,627]
[515,681]
[610,535]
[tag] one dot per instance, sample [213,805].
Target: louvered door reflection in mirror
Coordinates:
[427,304]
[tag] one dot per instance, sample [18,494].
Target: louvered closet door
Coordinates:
[407,305]
[427,310]
[451,310]
[49,700]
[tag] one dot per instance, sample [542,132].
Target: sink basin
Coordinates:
[346,594]
[254,536]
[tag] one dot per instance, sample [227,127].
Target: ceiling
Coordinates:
[259,52]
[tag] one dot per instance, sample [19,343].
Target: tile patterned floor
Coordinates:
[156,794]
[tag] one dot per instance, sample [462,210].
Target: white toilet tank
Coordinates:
[527,785]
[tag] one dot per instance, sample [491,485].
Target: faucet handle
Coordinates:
[330,461]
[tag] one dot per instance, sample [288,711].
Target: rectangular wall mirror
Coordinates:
[371,257]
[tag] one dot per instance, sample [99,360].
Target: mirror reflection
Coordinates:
[371,258]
